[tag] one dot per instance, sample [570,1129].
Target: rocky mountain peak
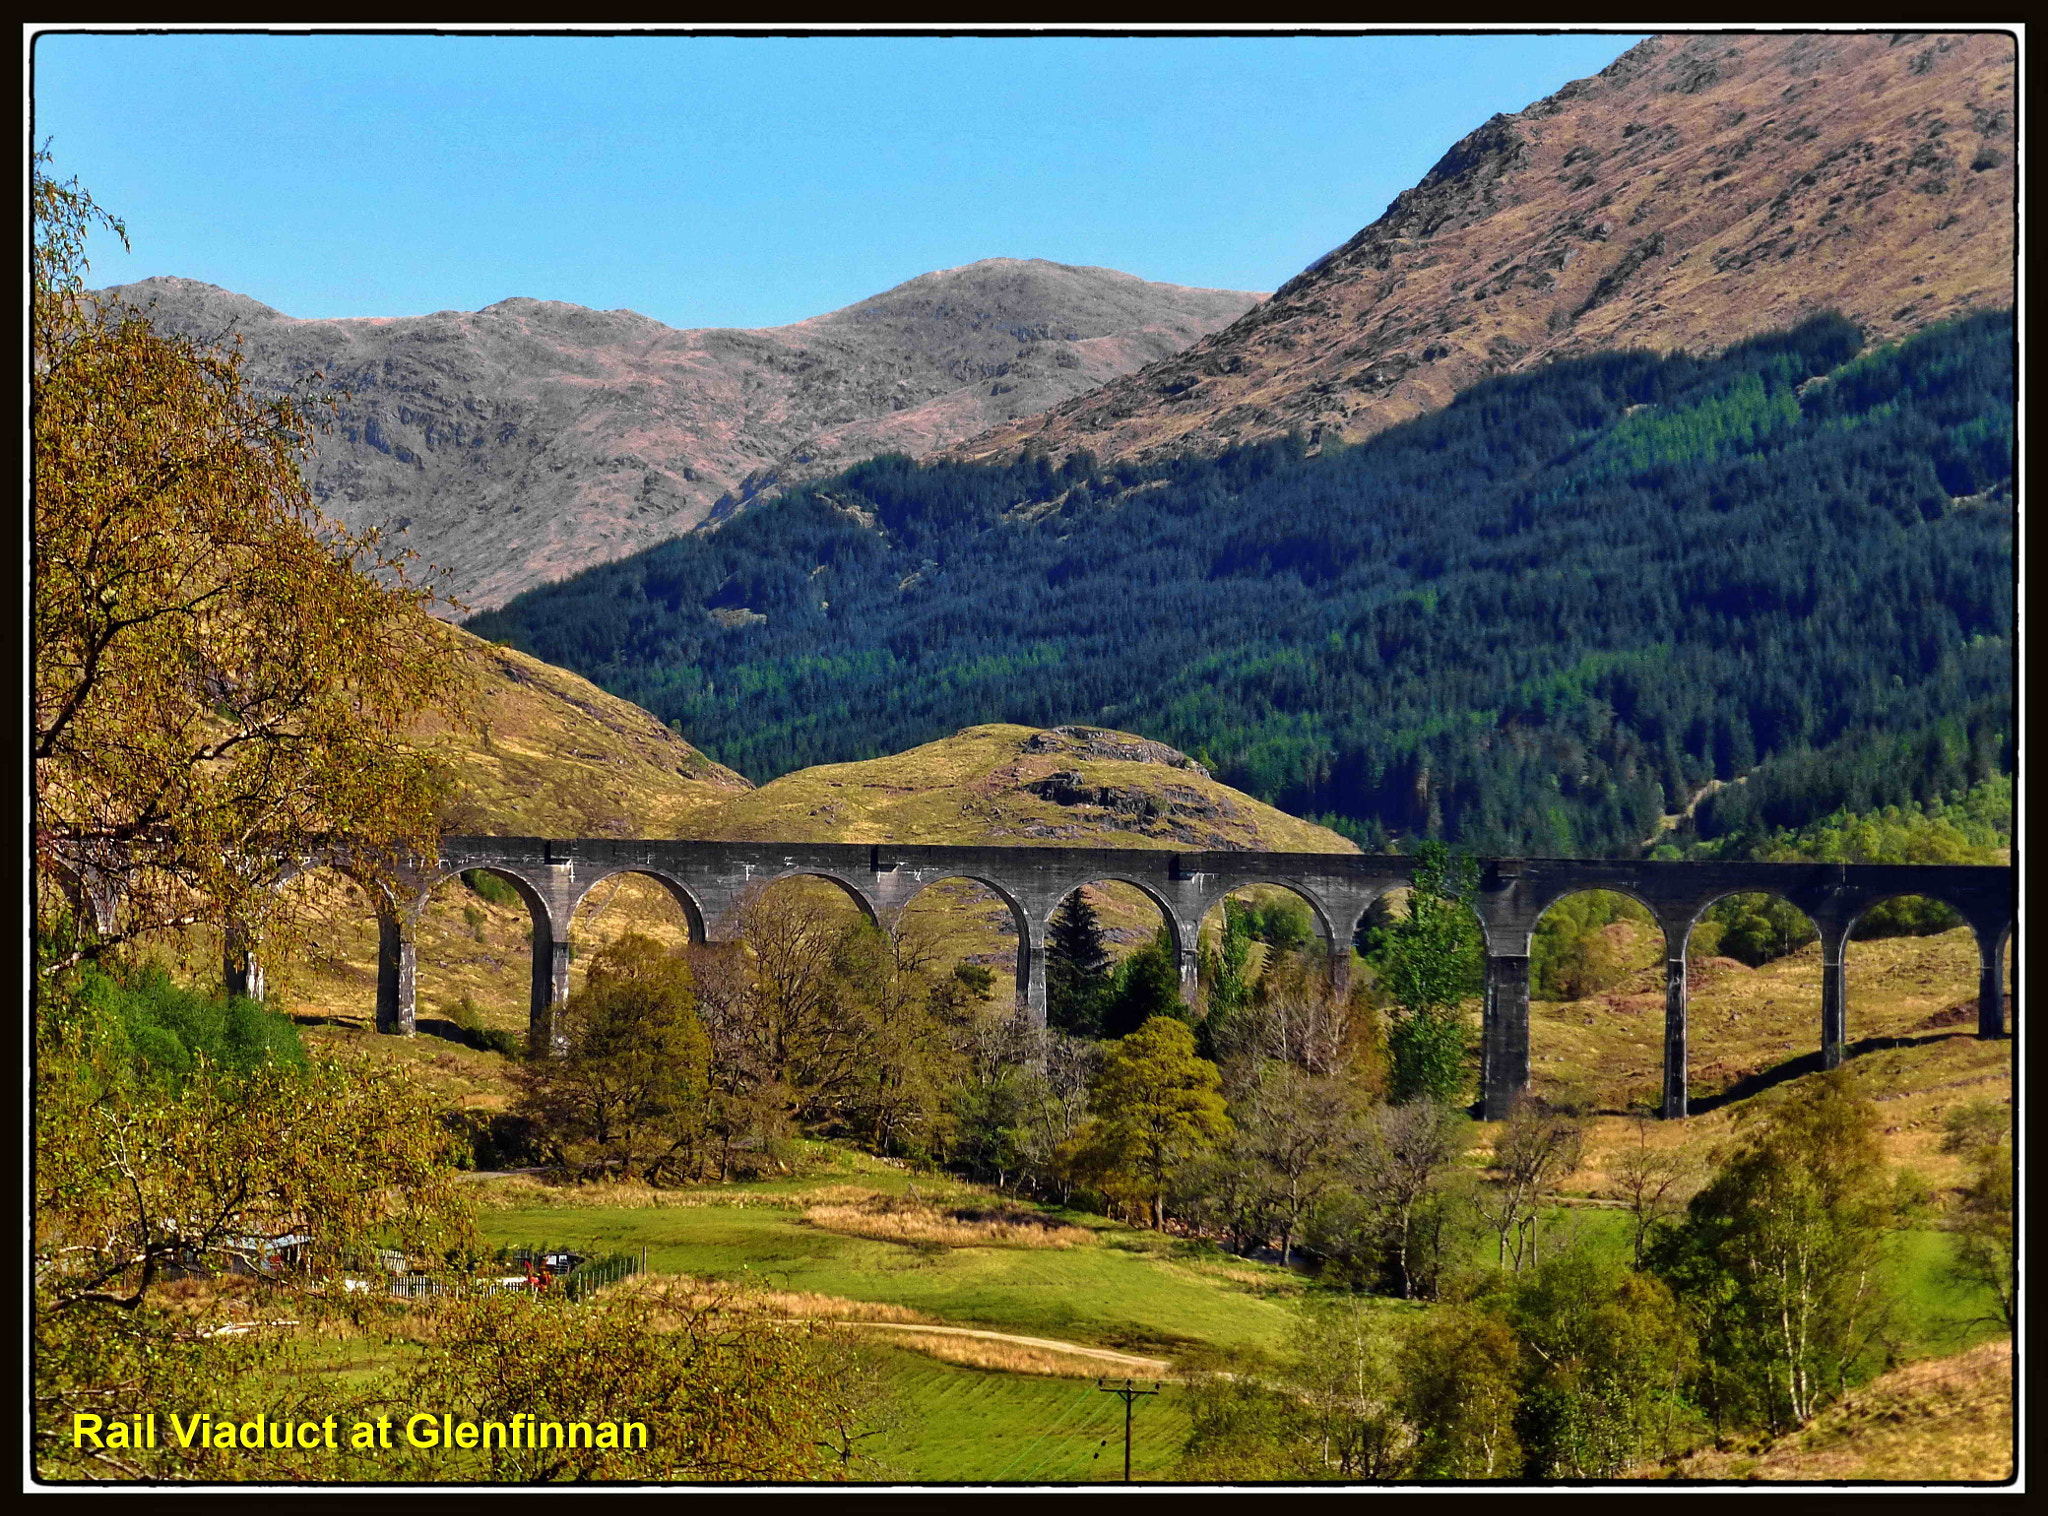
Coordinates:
[534,438]
[1700,190]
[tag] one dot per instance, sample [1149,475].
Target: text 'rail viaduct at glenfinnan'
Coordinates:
[706,879]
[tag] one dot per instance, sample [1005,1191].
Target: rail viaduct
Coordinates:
[706,879]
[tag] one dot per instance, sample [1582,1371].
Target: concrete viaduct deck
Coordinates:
[707,879]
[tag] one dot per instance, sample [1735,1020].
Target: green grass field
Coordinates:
[1128,1290]
[971,1425]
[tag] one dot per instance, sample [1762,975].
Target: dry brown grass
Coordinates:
[619,1194]
[920,1223]
[791,1305]
[1911,1026]
[1940,1419]
[988,1352]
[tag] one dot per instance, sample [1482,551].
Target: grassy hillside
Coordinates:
[1000,784]
[552,755]
[1940,1419]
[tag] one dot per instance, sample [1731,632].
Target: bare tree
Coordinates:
[796,1016]
[1537,1146]
[1347,1364]
[1653,1182]
[1056,1119]
[1301,1130]
[1303,1015]
[856,1401]
[1412,1148]
[746,1104]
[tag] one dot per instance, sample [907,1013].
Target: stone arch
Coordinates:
[548,981]
[1373,894]
[530,895]
[545,980]
[1020,919]
[1180,934]
[1638,1047]
[1658,914]
[1701,908]
[1870,903]
[1318,908]
[693,912]
[243,968]
[1175,928]
[1784,1057]
[1977,981]
[852,891]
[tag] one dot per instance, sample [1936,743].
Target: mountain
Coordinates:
[1698,191]
[1536,621]
[522,442]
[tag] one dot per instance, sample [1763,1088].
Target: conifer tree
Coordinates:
[1076,969]
[1145,985]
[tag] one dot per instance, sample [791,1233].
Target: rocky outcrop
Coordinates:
[1095,742]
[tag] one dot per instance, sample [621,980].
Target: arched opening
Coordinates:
[473,944]
[792,929]
[1912,969]
[1596,1002]
[624,903]
[1267,989]
[1753,990]
[329,975]
[796,998]
[1112,960]
[965,923]
[829,890]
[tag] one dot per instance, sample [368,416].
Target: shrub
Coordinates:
[489,888]
[169,1029]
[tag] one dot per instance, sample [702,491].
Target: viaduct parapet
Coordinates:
[707,879]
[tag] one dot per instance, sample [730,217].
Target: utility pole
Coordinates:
[1129,1394]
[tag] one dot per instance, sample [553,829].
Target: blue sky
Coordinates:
[715,181]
